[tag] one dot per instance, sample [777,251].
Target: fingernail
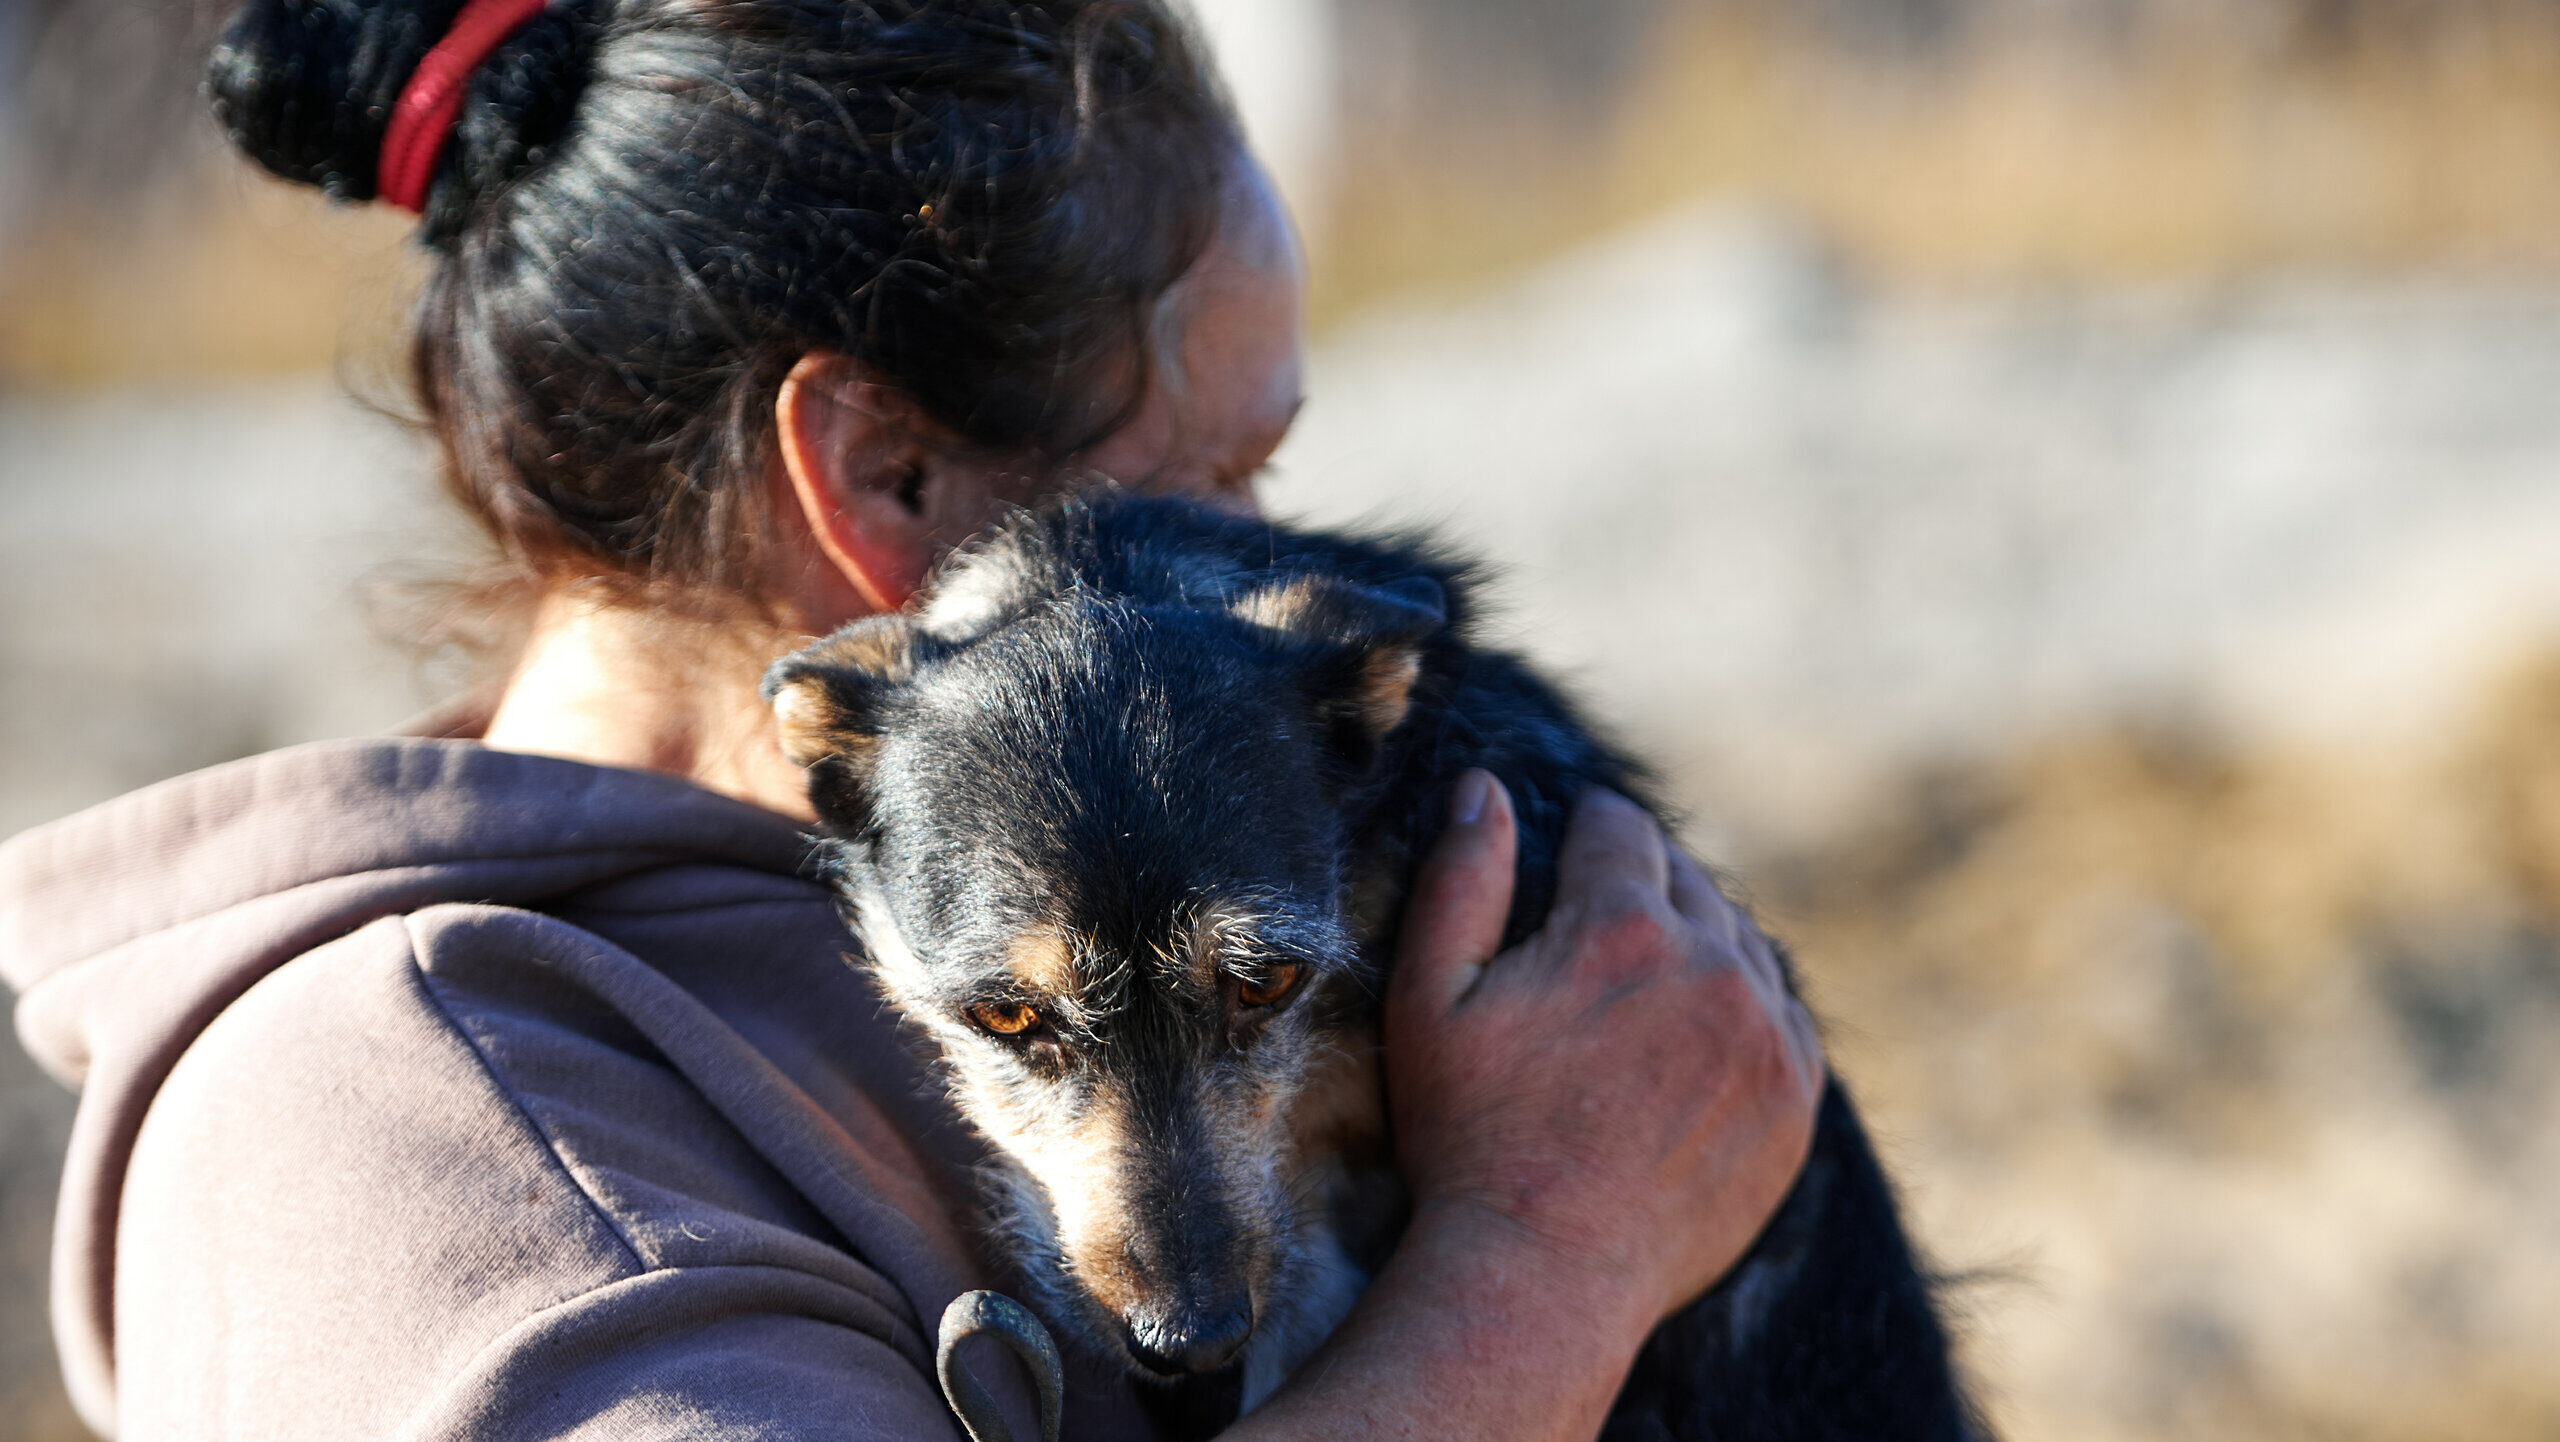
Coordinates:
[1468,801]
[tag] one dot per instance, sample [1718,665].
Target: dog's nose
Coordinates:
[1181,1341]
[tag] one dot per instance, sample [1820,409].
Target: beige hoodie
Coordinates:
[429,1091]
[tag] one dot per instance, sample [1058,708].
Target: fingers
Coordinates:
[1735,938]
[1611,842]
[1695,896]
[1721,924]
[1461,897]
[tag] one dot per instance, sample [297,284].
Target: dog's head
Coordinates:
[1096,849]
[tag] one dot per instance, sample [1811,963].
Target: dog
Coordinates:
[1124,811]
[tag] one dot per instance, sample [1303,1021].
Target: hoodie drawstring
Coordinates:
[992,1314]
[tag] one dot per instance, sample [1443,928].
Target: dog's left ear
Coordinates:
[1367,641]
[826,699]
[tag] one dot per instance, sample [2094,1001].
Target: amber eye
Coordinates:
[1272,985]
[1004,1018]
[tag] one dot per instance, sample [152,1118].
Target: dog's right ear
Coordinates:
[1365,645]
[826,700]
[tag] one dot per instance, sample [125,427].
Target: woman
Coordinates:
[511,1082]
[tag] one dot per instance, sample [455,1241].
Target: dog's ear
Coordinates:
[1366,644]
[826,700]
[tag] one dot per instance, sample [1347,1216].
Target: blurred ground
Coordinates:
[2070,489]
[1953,141]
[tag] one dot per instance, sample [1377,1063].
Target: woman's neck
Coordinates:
[616,685]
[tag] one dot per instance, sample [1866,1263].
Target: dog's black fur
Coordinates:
[1118,717]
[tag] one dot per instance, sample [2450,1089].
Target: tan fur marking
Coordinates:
[1386,688]
[812,727]
[879,647]
[876,649]
[1083,1165]
[1045,959]
[1281,608]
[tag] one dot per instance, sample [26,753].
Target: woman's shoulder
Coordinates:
[402,1166]
[428,1039]
[459,1127]
[469,1069]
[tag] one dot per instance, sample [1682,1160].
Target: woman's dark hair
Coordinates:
[650,209]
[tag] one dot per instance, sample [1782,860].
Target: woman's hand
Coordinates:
[1595,1123]
[1629,1093]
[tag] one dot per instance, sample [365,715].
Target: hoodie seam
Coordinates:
[638,1261]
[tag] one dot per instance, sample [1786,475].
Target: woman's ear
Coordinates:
[872,480]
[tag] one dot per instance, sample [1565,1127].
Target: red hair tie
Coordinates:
[423,117]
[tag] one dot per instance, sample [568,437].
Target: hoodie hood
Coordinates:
[127,929]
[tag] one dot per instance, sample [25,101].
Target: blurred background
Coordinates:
[2070,489]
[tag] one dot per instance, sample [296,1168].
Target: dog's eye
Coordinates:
[1003,1018]
[1274,984]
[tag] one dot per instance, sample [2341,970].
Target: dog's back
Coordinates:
[1216,743]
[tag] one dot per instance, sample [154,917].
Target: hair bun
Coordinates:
[306,88]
